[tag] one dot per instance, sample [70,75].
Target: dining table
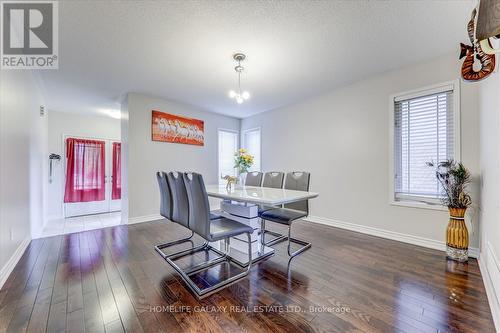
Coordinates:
[242,203]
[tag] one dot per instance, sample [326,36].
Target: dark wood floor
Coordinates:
[113,280]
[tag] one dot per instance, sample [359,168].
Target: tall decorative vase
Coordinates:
[457,236]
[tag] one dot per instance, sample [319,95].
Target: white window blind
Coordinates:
[424,131]
[228,145]
[251,142]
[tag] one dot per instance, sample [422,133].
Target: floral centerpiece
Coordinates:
[454,178]
[242,161]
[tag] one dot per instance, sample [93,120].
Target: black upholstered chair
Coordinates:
[210,230]
[289,213]
[253,178]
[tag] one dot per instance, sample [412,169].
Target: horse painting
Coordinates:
[167,127]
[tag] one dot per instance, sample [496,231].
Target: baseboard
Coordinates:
[405,238]
[12,262]
[145,218]
[54,217]
[490,271]
[474,252]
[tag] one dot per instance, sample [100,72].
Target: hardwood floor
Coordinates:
[112,280]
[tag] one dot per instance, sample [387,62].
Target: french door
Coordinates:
[92,176]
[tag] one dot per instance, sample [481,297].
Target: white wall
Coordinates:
[342,138]
[489,101]
[124,158]
[38,167]
[22,164]
[146,157]
[81,125]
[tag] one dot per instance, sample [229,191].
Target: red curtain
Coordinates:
[85,170]
[116,192]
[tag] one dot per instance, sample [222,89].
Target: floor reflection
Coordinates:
[439,306]
[386,286]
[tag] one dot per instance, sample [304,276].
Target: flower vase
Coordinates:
[457,236]
[241,178]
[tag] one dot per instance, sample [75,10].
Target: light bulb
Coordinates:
[239,100]
[245,95]
[232,94]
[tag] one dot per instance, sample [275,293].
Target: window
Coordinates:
[228,145]
[425,129]
[251,142]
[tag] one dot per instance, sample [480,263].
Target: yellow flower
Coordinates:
[247,158]
[242,150]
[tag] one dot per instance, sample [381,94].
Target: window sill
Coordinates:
[419,204]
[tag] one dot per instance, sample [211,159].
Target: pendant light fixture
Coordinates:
[239,96]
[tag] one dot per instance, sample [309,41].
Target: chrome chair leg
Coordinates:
[305,245]
[199,267]
[160,247]
[187,252]
[202,293]
[278,237]
[281,238]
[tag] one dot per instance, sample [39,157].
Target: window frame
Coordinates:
[229,130]
[422,201]
[243,145]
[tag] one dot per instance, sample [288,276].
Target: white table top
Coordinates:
[259,195]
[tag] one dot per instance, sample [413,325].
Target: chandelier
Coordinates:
[239,96]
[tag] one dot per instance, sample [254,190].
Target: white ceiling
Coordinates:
[182,51]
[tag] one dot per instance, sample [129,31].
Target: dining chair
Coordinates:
[165,195]
[174,206]
[253,178]
[273,179]
[211,230]
[291,212]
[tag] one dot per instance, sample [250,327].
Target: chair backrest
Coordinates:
[165,195]
[253,178]
[199,208]
[273,179]
[180,206]
[298,180]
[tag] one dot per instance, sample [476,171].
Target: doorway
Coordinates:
[92,176]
